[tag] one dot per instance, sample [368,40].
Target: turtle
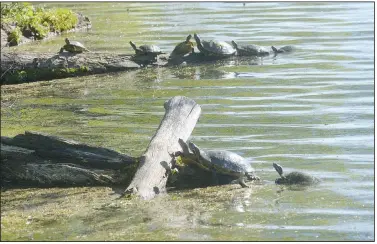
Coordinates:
[73,47]
[183,48]
[294,178]
[214,48]
[250,50]
[223,162]
[285,49]
[152,50]
[145,54]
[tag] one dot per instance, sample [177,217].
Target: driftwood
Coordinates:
[37,159]
[27,67]
[180,119]
[24,67]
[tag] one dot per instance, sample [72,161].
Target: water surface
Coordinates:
[312,110]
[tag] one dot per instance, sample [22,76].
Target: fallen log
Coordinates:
[37,159]
[41,160]
[180,119]
[26,67]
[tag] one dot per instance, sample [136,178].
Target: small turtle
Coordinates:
[250,50]
[146,49]
[285,49]
[145,54]
[294,178]
[183,48]
[214,48]
[73,47]
[223,162]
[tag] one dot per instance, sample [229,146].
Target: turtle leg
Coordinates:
[241,181]
[215,179]
[61,50]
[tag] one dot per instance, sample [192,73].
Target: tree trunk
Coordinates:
[180,119]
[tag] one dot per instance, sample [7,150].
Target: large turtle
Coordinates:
[250,50]
[145,54]
[285,49]
[73,47]
[214,48]
[183,48]
[294,178]
[220,161]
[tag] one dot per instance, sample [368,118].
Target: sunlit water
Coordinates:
[312,110]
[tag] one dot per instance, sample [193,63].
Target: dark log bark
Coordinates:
[68,151]
[36,159]
[180,119]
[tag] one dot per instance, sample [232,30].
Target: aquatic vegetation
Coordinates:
[34,22]
[14,36]
[25,75]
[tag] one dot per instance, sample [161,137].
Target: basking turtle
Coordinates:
[285,49]
[145,54]
[250,50]
[223,162]
[73,47]
[152,50]
[183,48]
[294,178]
[214,48]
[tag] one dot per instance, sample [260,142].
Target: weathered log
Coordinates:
[68,151]
[36,159]
[28,67]
[180,119]
[24,67]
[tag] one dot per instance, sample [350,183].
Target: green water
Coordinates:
[311,110]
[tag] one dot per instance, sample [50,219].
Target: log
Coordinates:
[29,67]
[181,115]
[37,159]
[68,151]
[26,67]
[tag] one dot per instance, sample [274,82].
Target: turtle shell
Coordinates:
[230,163]
[77,44]
[297,178]
[150,49]
[214,47]
[250,50]
[183,48]
[146,49]
[285,49]
[74,46]
[294,178]
[221,161]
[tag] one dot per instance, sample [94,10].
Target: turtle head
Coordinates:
[188,38]
[234,44]
[190,42]
[274,49]
[67,41]
[197,39]
[278,168]
[195,149]
[133,45]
